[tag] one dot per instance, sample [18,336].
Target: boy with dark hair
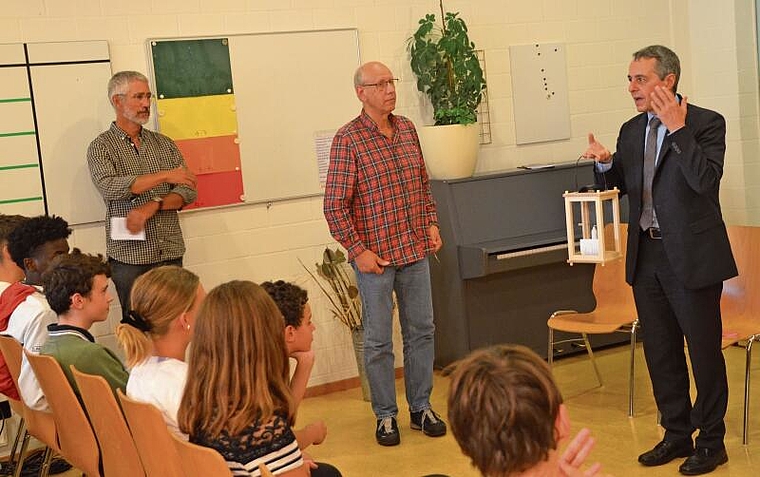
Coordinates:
[506,414]
[32,244]
[293,303]
[10,273]
[77,290]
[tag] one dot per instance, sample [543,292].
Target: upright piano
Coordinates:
[503,266]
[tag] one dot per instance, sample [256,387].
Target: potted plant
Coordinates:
[448,71]
[343,296]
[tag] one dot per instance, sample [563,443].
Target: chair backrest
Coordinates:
[75,435]
[199,460]
[152,438]
[120,457]
[11,351]
[613,295]
[38,423]
[740,301]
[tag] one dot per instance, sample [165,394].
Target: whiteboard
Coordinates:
[66,107]
[288,87]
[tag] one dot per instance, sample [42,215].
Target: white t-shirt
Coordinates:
[28,324]
[160,381]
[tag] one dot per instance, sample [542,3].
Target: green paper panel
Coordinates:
[192,67]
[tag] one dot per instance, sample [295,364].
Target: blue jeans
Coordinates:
[412,286]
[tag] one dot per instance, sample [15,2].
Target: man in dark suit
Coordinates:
[669,160]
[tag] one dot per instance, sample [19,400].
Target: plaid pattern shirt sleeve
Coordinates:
[114,165]
[377,195]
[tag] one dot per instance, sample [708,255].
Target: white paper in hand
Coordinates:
[119,230]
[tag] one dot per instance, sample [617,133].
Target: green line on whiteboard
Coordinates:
[24,199]
[14,100]
[20,166]
[20,133]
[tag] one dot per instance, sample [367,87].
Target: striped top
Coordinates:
[272,443]
[115,163]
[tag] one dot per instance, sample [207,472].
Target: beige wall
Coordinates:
[716,44]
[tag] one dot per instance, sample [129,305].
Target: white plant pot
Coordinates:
[450,151]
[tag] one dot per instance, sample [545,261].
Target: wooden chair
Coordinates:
[39,424]
[615,311]
[152,438]
[120,458]
[75,435]
[740,302]
[18,407]
[199,460]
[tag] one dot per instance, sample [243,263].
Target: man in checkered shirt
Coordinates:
[144,182]
[379,207]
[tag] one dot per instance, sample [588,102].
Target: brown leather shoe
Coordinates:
[666,451]
[703,460]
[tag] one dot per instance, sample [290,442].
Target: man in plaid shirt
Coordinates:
[144,182]
[379,207]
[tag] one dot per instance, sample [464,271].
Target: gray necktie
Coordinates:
[650,155]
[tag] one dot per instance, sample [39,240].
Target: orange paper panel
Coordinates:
[220,188]
[211,154]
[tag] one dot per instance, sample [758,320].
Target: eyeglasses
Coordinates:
[138,96]
[383,85]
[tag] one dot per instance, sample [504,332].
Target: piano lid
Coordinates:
[512,210]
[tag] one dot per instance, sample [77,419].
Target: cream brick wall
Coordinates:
[259,242]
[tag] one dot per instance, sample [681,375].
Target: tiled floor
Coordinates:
[351,447]
[350,444]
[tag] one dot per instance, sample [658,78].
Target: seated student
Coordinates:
[10,296]
[77,289]
[155,334]
[507,416]
[33,244]
[239,352]
[293,303]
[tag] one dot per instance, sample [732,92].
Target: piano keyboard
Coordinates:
[531,251]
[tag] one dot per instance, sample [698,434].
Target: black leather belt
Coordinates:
[654,233]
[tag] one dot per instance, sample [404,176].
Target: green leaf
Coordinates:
[447,68]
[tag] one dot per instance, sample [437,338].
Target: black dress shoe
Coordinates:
[666,451]
[703,460]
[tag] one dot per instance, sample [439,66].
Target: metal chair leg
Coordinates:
[745,432]
[593,361]
[19,433]
[46,460]
[550,351]
[632,369]
[22,454]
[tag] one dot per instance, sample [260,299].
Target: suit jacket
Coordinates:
[684,194]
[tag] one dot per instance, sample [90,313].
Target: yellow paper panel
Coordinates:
[194,118]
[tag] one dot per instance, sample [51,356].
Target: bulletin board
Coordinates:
[250,112]
[53,103]
[540,92]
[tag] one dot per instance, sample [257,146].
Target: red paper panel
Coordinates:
[211,154]
[220,188]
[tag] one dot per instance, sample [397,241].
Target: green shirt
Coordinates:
[71,345]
